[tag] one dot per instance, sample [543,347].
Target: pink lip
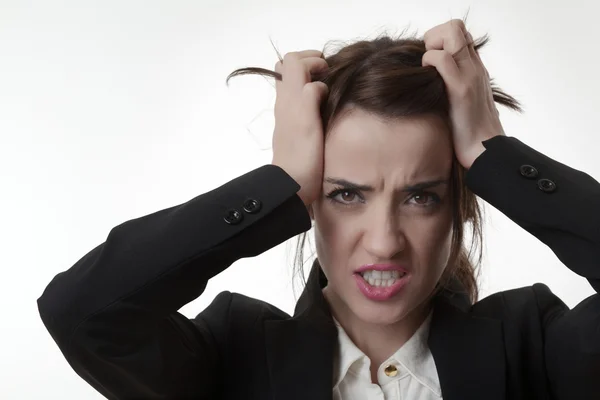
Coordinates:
[382,267]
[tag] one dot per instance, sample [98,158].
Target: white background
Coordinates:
[110,110]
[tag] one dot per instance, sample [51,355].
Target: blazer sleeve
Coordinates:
[561,207]
[114,313]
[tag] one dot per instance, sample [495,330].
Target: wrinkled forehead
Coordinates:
[363,146]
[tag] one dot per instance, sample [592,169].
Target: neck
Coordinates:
[377,341]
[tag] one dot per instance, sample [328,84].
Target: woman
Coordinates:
[390,308]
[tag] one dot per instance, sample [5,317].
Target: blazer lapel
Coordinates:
[468,351]
[300,350]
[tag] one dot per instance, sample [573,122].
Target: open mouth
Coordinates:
[382,278]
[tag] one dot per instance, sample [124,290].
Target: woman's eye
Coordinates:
[422,199]
[344,196]
[347,196]
[350,197]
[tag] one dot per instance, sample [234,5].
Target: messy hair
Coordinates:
[385,77]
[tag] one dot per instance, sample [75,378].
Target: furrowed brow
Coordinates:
[350,185]
[416,187]
[424,185]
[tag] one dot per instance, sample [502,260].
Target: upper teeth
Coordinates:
[381,278]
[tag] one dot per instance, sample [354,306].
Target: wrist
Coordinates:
[472,155]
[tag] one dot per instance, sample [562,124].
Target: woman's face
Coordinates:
[385,223]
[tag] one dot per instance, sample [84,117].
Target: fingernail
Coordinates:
[469,37]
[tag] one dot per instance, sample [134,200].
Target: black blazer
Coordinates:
[114,313]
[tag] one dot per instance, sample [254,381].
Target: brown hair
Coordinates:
[385,77]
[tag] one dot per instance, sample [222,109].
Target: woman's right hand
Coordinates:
[298,139]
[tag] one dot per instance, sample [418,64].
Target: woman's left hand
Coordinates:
[473,113]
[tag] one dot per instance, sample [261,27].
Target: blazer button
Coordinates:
[546,185]
[529,171]
[252,206]
[233,217]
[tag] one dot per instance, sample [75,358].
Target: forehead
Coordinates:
[364,147]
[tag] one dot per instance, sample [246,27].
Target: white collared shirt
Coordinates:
[416,377]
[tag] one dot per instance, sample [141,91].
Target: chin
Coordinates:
[381,313]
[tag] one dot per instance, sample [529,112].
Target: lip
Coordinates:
[382,267]
[380,293]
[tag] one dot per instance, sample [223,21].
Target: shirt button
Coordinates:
[391,370]
[546,185]
[528,171]
[233,217]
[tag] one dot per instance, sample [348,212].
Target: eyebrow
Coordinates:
[407,188]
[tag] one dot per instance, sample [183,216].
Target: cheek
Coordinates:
[431,242]
[333,237]
[444,247]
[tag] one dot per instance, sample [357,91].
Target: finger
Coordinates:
[445,64]
[472,52]
[292,57]
[316,90]
[449,36]
[302,54]
[297,72]
[279,69]
[471,46]
[475,57]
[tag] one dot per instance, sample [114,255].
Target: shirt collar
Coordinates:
[414,356]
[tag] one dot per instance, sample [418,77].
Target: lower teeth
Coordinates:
[382,282]
[379,283]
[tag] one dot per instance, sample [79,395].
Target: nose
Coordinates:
[383,238]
